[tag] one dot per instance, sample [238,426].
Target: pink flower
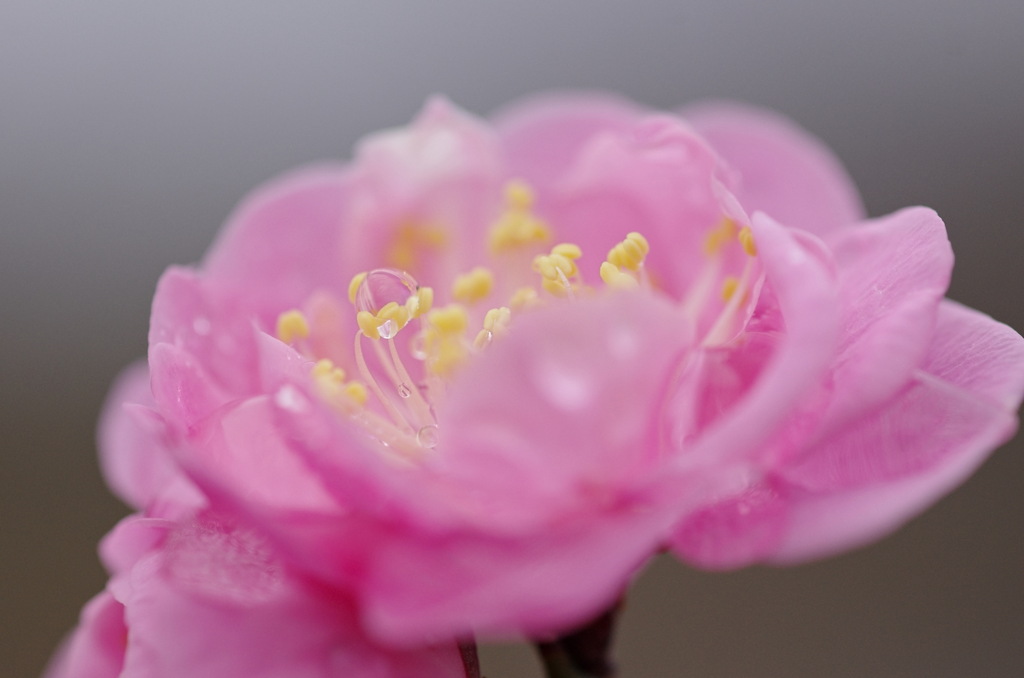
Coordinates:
[204,597]
[584,333]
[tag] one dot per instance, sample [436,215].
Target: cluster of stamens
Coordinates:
[388,301]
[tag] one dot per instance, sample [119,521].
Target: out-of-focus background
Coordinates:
[128,130]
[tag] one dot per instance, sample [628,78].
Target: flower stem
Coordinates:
[583,652]
[470,658]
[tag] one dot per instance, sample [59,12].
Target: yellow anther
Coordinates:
[614,277]
[524,297]
[353,287]
[409,242]
[420,302]
[449,320]
[747,240]
[720,236]
[518,195]
[471,287]
[292,325]
[369,324]
[397,315]
[356,391]
[729,287]
[568,250]
[558,266]
[555,287]
[518,226]
[325,369]
[483,338]
[448,356]
[630,253]
[497,319]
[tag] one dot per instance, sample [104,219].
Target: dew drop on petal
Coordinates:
[201,326]
[418,346]
[291,399]
[404,390]
[381,286]
[427,436]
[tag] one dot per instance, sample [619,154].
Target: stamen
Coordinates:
[444,339]
[421,302]
[524,297]
[518,226]
[614,277]
[729,287]
[355,284]
[474,286]
[496,323]
[630,253]
[720,236]
[292,325]
[747,240]
[557,268]
[409,242]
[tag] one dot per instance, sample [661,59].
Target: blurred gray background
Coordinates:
[129,129]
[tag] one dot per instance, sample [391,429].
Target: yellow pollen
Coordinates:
[471,287]
[613,276]
[449,320]
[720,236]
[292,325]
[325,369]
[747,240]
[420,302]
[630,253]
[399,315]
[518,226]
[558,267]
[524,297]
[729,287]
[356,391]
[497,319]
[410,240]
[368,324]
[353,286]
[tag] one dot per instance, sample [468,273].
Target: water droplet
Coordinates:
[201,326]
[388,329]
[292,399]
[382,286]
[404,390]
[427,436]
[418,346]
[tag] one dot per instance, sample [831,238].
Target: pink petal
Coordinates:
[442,174]
[893,273]
[782,170]
[806,298]
[133,440]
[216,602]
[873,477]
[195,315]
[545,458]
[542,135]
[659,178]
[548,408]
[866,482]
[182,389]
[978,354]
[263,257]
[96,648]
[239,451]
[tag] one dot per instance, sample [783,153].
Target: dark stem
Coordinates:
[583,652]
[470,658]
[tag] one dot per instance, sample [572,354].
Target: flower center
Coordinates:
[405,350]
